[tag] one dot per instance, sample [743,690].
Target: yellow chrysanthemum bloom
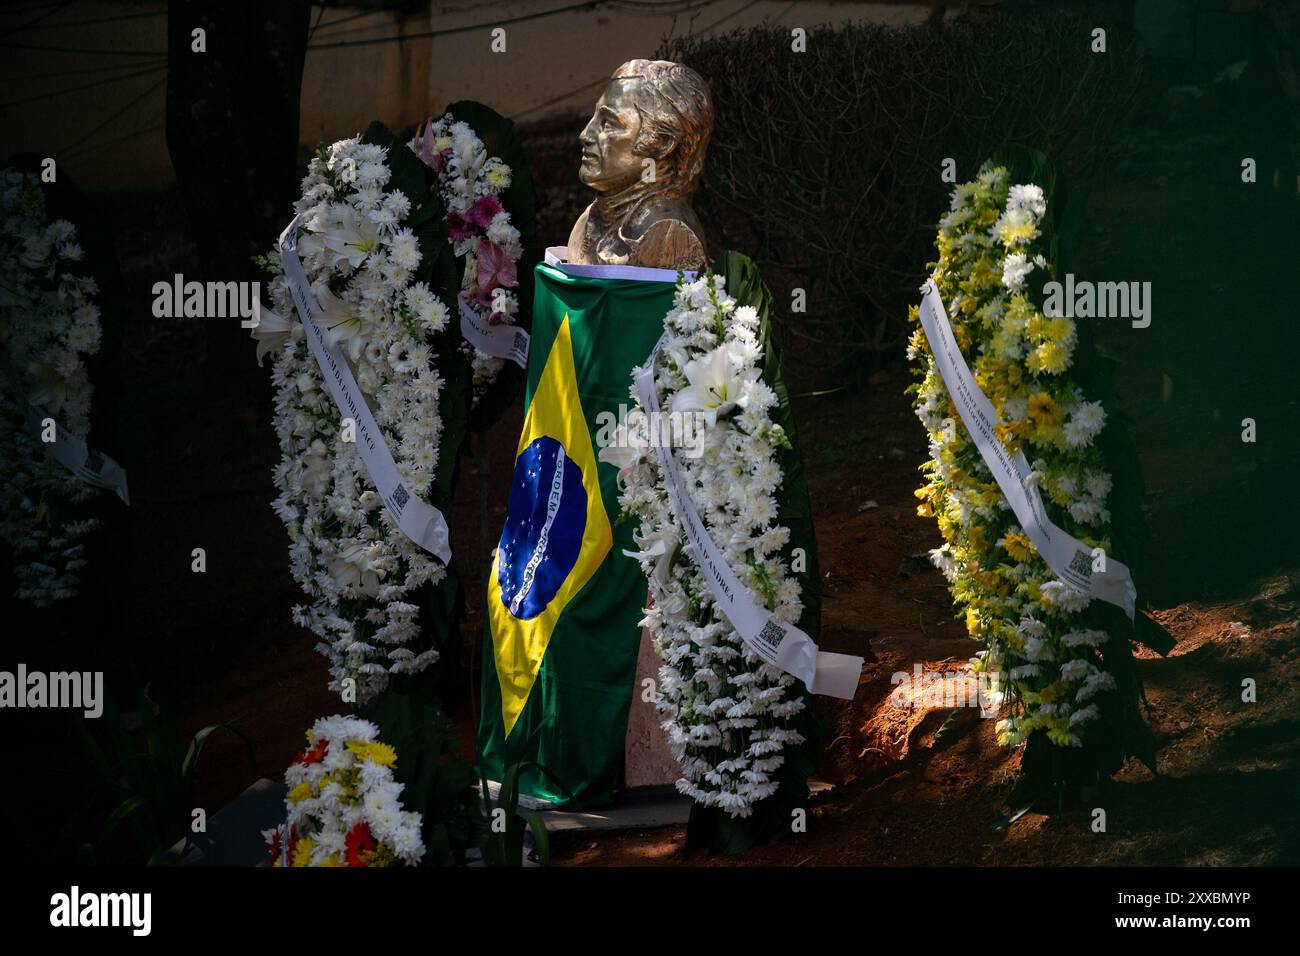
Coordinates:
[1012,233]
[1044,410]
[1058,494]
[381,856]
[1060,330]
[375,751]
[1049,435]
[302,851]
[300,793]
[986,274]
[1018,546]
[1050,358]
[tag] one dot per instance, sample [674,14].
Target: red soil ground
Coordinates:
[1228,770]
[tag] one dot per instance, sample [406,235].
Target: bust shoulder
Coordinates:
[663,234]
[669,244]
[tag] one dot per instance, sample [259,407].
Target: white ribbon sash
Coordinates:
[91,466]
[511,343]
[778,642]
[1069,558]
[507,342]
[557,258]
[417,519]
[85,462]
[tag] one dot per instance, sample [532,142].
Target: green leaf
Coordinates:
[200,740]
[124,810]
[540,835]
[1006,822]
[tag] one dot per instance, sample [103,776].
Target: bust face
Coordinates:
[609,162]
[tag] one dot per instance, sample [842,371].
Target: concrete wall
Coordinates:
[559,62]
[100,114]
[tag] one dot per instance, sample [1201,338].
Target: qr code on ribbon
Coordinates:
[1081,564]
[400,498]
[772,634]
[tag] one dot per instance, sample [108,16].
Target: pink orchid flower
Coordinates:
[424,149]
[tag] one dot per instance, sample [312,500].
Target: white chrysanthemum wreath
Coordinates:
[358,568]
[478,227]
[728,712]
[344,806]
[49,323]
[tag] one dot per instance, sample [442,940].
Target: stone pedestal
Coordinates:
[647,759]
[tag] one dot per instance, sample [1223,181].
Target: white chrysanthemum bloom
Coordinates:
[1015,269]
[1028,197]
[1063,597]
[1085,714]
[1085,422]
[1088,638]
[1075,669]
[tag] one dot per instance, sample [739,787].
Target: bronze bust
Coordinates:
[643,154]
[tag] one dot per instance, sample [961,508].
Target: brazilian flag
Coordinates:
[563,603]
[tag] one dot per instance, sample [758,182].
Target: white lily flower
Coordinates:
[360,566]
[660,545]
[341,322]
[271,332]
[351,237]
[715,387]
[623,452]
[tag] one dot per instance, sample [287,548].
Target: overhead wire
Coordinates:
[94,21]
[44,16]
[84,86]
[72,147]
[135,64]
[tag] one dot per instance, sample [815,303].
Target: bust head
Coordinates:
[652,112]
[650,109]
